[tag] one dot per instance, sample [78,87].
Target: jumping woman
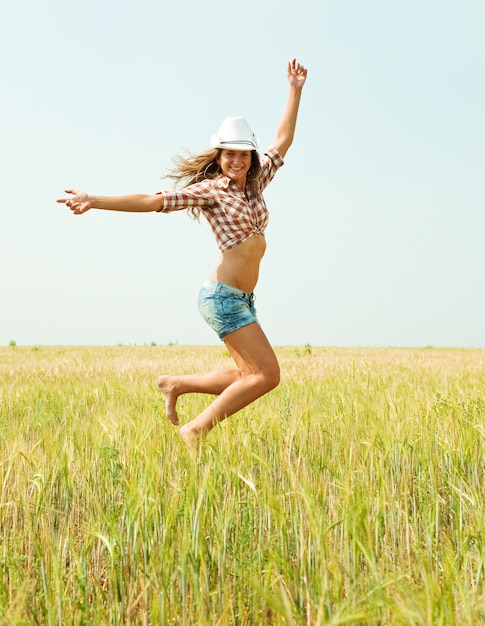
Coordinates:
[225,185]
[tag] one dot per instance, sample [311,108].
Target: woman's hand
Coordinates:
[296,74]
[80,203]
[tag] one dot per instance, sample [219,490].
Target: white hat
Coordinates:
[234,134]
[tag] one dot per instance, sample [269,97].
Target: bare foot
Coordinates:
[187,436]
[167,387]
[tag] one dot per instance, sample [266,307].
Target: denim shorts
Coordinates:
[226,308]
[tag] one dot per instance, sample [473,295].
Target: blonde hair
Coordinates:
[197,167]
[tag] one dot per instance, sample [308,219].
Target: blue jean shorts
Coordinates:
[226,308]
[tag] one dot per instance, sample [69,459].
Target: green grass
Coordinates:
[352,494]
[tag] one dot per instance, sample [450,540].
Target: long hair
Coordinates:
[197,167]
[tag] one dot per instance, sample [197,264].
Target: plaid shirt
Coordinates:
[233,215]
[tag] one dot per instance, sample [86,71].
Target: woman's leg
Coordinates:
[209,382]
[258,373]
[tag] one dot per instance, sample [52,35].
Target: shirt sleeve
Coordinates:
[270,164]
[197,195]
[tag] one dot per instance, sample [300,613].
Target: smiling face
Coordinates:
[235,164]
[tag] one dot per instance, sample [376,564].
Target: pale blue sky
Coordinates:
[377,218]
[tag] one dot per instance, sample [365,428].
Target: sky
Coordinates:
[377,219]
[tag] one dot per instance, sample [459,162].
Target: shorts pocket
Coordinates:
[233,306]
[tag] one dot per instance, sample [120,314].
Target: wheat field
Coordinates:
[354,493]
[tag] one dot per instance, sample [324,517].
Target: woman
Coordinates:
[226,185]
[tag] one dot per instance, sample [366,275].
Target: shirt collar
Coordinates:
[223,182]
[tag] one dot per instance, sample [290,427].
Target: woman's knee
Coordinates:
[272,377]
[267,379]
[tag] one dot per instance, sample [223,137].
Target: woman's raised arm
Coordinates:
[286,130]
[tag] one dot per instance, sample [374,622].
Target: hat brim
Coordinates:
[232,145]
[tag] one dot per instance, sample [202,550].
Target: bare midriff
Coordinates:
[239,266]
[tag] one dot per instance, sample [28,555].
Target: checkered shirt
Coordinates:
[233,215]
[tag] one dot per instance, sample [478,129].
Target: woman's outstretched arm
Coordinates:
[81,202]
[286,130]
